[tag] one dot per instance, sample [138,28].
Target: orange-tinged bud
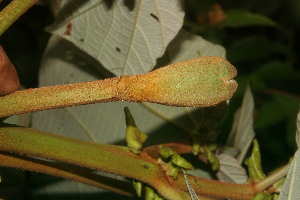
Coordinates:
[200,82]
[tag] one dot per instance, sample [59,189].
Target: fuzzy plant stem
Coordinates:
[116,160]
[67,172]
[200,82]
[12,12]
[272,178]
[108,158]
[57,96]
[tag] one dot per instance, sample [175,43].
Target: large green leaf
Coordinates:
[120,34]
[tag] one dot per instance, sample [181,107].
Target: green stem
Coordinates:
[273,178]
[116,160]
[58,96]
[87,154]
[12,12]
[67,172]
[108,158]
[217,189]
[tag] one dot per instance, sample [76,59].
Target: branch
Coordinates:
[116,160]
[12,12]
[67,172]
[273,178]
[108,158]
[200,82]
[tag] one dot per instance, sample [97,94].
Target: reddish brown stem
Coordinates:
[217,189]
[67,172]
[182,147]
[201,82]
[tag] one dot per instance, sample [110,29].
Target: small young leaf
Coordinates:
[290,189]
[196,138]
[177,162]
[138,186]
[134,137]
[157,197]
[173,171]
[275,197]
[263,196]
[129,118]
[150,194]
[254,163]
[165,152]
[213,160]
[196,144]
[169,167]
[181,162]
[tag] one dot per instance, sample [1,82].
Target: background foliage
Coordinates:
[260,38]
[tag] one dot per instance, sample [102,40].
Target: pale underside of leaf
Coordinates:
[290,189]
[126,39]
[230,170]
[242,132]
